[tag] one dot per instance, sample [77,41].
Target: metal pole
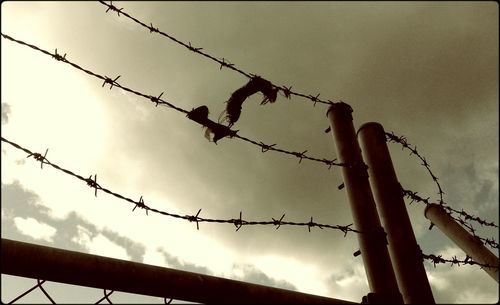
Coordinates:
[405,254]
[70,267]
[372,240]
[470,244]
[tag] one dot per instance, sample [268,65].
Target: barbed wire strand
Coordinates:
[438,259]
[238,223]
[403,141]
[158,101]
[463,217]
[286,90]
[287,93]
[414,197]
[391,137]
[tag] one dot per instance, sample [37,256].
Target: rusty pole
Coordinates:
[470,244]
[372,240]
[405,253]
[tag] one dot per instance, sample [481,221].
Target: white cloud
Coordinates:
[32,227]
[438,281]
[461,284]
[306,277]
[357,278]
[100,245]
[83,237]
[474,295]
[154,257]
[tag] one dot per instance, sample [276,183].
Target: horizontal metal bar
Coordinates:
[70,267]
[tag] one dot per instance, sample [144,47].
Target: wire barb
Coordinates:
[238,222]
[111,82]
[155,99]
[152,29]
[195,218]
[141,205]
[58,56]
[278,222]
[93,183]
[39,157]
[112,7]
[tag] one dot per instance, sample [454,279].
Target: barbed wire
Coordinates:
[237,222]
[438,259]
[414,197]
[391,137]
[195,218]
[314,98]
[157,100]
[223,62]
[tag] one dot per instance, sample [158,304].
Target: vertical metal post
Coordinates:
[372,240]
[405,254]
[470,244]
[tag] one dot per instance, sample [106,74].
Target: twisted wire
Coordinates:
[157,100]
[237,222]
[224,63]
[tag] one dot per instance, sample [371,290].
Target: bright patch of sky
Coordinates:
[35,229]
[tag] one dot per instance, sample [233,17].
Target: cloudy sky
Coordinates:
[425,70]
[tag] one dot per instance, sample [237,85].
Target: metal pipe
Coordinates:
[70,267]
[372,240]
[470,244]
[405,254]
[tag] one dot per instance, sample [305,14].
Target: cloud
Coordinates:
[24,218]
[101,245]
[177,263]
[349,282]
[249,273]
[304,276]
[460,284]
[83,236]
[5,113]
[134,249]
[38,230]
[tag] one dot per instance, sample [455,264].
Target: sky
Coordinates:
[425,70]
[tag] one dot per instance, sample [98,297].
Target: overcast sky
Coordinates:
[425,70]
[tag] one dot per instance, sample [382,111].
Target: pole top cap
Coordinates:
[429,206]
[344,106]
[370,125]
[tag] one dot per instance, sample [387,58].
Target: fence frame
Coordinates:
[82,269]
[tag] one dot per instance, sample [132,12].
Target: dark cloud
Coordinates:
[425,70]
